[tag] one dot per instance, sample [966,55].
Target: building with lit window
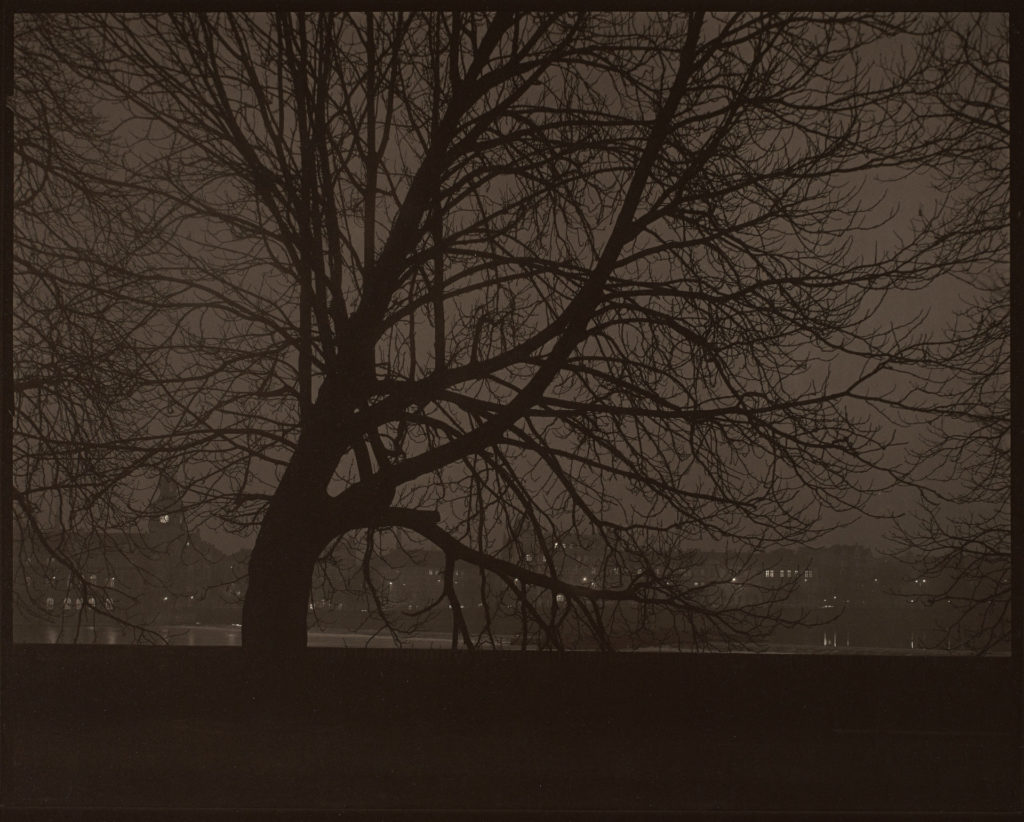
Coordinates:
[163,572]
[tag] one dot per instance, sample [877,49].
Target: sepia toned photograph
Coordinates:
[541,412]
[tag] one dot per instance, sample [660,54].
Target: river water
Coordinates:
[222,635]
[231,635]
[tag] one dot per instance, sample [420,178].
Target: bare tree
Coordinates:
[959,538]
[504,283]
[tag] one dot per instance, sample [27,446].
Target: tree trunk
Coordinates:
[291,538]
[295,530]
[299,523]
[276,604]
[274,615]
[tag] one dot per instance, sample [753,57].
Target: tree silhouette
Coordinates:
[499,283]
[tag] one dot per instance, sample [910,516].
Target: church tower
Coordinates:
[166,519]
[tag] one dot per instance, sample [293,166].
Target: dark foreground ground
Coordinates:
[112,730]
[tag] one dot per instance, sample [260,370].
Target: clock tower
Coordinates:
[166,519]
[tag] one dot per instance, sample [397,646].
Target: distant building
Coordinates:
[164,572]
[847,596]
[861,599]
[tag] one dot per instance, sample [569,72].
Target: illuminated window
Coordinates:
[49,603]
[808,574]
[165,518]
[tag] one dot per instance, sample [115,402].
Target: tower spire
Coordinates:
[166,510]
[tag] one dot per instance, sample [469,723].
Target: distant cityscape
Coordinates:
[840,596]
